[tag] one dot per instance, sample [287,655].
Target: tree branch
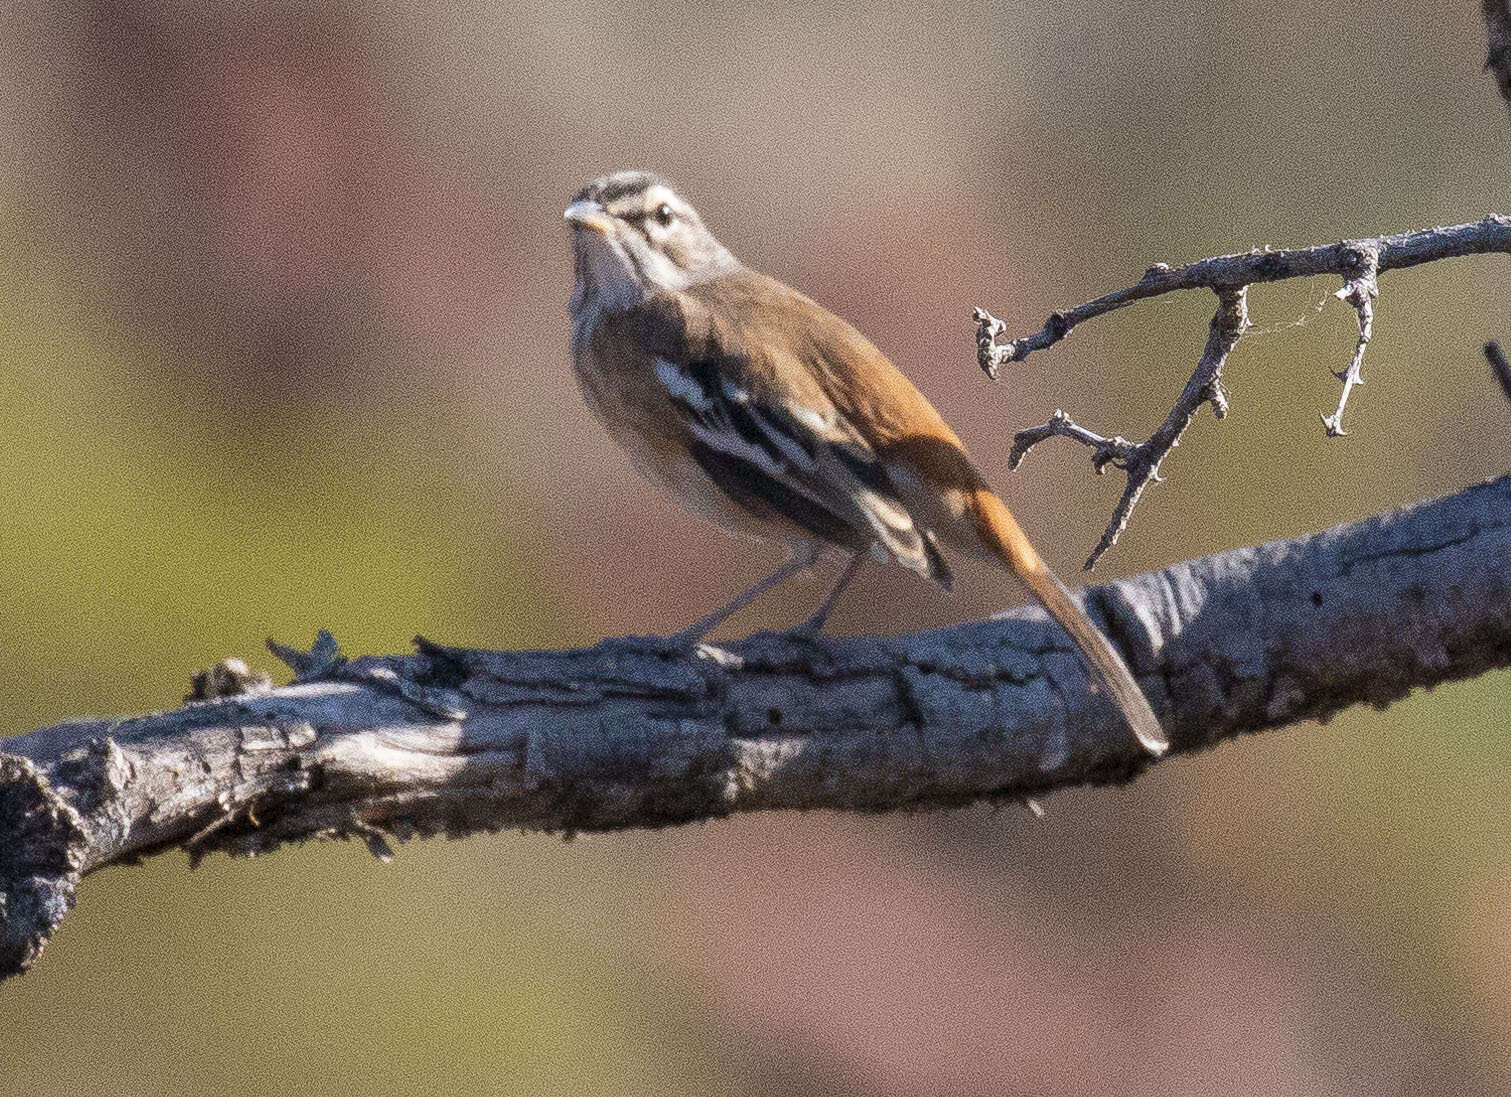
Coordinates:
[1498,32]
[1499,366]
[452,741]
[1358,262]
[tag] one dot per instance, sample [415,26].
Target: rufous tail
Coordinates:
[1000,531]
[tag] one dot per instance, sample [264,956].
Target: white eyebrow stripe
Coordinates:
[658,194]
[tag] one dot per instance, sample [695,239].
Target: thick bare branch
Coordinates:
[1358,262]
[452,741]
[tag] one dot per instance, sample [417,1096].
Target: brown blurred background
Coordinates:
[283,346]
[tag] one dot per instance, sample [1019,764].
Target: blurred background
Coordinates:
[283,346]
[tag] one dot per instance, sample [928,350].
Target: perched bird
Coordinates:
[766,412]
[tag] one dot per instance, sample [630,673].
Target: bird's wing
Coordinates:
[789,452]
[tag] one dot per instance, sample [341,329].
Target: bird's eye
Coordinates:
[664,215]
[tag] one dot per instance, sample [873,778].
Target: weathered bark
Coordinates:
[622,735]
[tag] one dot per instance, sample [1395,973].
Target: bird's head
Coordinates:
[633,237]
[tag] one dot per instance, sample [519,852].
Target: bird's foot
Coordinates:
[805,632]
[811,631]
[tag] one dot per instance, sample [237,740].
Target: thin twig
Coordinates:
[1358,262]
[1498,57]
[1499,364]
[1141,461]
[1228,324]
[1359,292]
[1105,451]
[1346,259]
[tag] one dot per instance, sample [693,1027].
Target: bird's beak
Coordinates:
[591,216]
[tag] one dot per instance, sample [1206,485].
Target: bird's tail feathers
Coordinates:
[1000,531]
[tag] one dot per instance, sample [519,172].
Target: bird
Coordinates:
[762,410]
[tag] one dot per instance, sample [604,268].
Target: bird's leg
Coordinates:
[799,561]
[815,624]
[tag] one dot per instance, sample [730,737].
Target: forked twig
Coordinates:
[1358,262]
[1106,451]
